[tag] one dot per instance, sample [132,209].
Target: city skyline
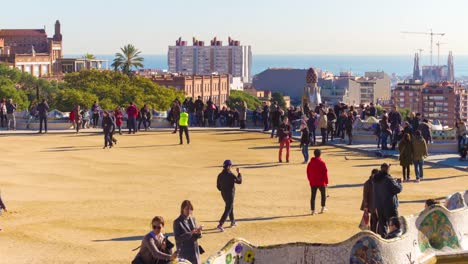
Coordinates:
[335,27]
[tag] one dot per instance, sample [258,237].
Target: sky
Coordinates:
[327,27]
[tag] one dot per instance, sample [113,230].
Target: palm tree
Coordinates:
[89,56]
[127,59]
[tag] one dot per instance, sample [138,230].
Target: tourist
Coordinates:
[284,135]
[243,115]
[317,174]
[96,110]
[367,204]
[461,129]
[464,153]
[155,246]
[191,111]
[199,107]
[72,118]
[385,131]
[394,117]
[348,123]
[132,113]
[3,113]
[386,191]
[226,185]
[323,124]
[372,110]
[431,203]
[175,112]
[183,126]
[394,226]
[413,121]
[426,130]
[112,116]
[149,117]
[78,118]
[86,120]
[275,116]
[255,115]
[108,127]
[377,133]
[331,120]
[210,108]
[142,117]
[42,110]
[265,116]
[118,118]
[407,129]
[2,207]
[419,154]
[405,148]
[187,233]
[10,110]
[307,110]
[305,140]
[33,114]
[312,125]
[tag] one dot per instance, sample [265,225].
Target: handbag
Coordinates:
[200,248]
[364,225]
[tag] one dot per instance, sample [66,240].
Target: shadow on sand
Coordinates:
[123,239]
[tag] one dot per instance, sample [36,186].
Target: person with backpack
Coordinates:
[226,185]
[155,246]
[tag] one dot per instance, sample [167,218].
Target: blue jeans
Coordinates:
[191,119]
[384,137]
[418,169]
[461,142]
[305,152]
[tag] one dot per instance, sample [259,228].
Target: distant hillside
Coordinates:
[287,81]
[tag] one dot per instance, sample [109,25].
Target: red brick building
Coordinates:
[30,50]
[442,101]
[215,87]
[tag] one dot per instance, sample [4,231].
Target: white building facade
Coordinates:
[198,59]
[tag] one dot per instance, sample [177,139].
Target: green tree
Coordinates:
[404,113]
[128,59]
[278,97]
[236,97]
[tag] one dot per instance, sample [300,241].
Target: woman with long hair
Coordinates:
[405,147]
[187,233]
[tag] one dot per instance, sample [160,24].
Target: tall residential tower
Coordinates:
[198,59]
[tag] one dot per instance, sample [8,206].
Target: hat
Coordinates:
[385,165]
[227,163]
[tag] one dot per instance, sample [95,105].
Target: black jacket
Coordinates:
[42,108]
[226,181]
[305,139]
[385,192]
[284,131]
[108,124]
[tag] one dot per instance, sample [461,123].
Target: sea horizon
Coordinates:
[401,65]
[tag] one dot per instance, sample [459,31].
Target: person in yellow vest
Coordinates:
[183,125]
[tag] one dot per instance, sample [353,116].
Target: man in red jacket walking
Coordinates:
[317,174]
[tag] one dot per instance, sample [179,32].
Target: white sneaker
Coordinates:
[313,212]
[220,228]
[323,210]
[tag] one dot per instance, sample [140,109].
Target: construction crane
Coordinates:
[438,51]
[432,34]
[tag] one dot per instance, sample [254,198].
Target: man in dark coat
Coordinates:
[394,117]
[42,110]
[386,203]
[367,204]
[265,116]
[226,185]
[425,129]
[199,107]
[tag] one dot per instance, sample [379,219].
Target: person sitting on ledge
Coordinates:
[430,202]
[394,230]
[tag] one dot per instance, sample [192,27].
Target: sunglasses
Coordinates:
[157,227]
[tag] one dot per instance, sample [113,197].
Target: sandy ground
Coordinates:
[70,201]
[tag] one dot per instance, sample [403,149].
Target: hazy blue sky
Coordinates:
[270,26]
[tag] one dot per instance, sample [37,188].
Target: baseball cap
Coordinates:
[227,163]
[385,165]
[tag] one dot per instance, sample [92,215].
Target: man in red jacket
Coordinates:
[317,174]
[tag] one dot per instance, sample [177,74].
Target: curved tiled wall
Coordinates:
[434,231]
